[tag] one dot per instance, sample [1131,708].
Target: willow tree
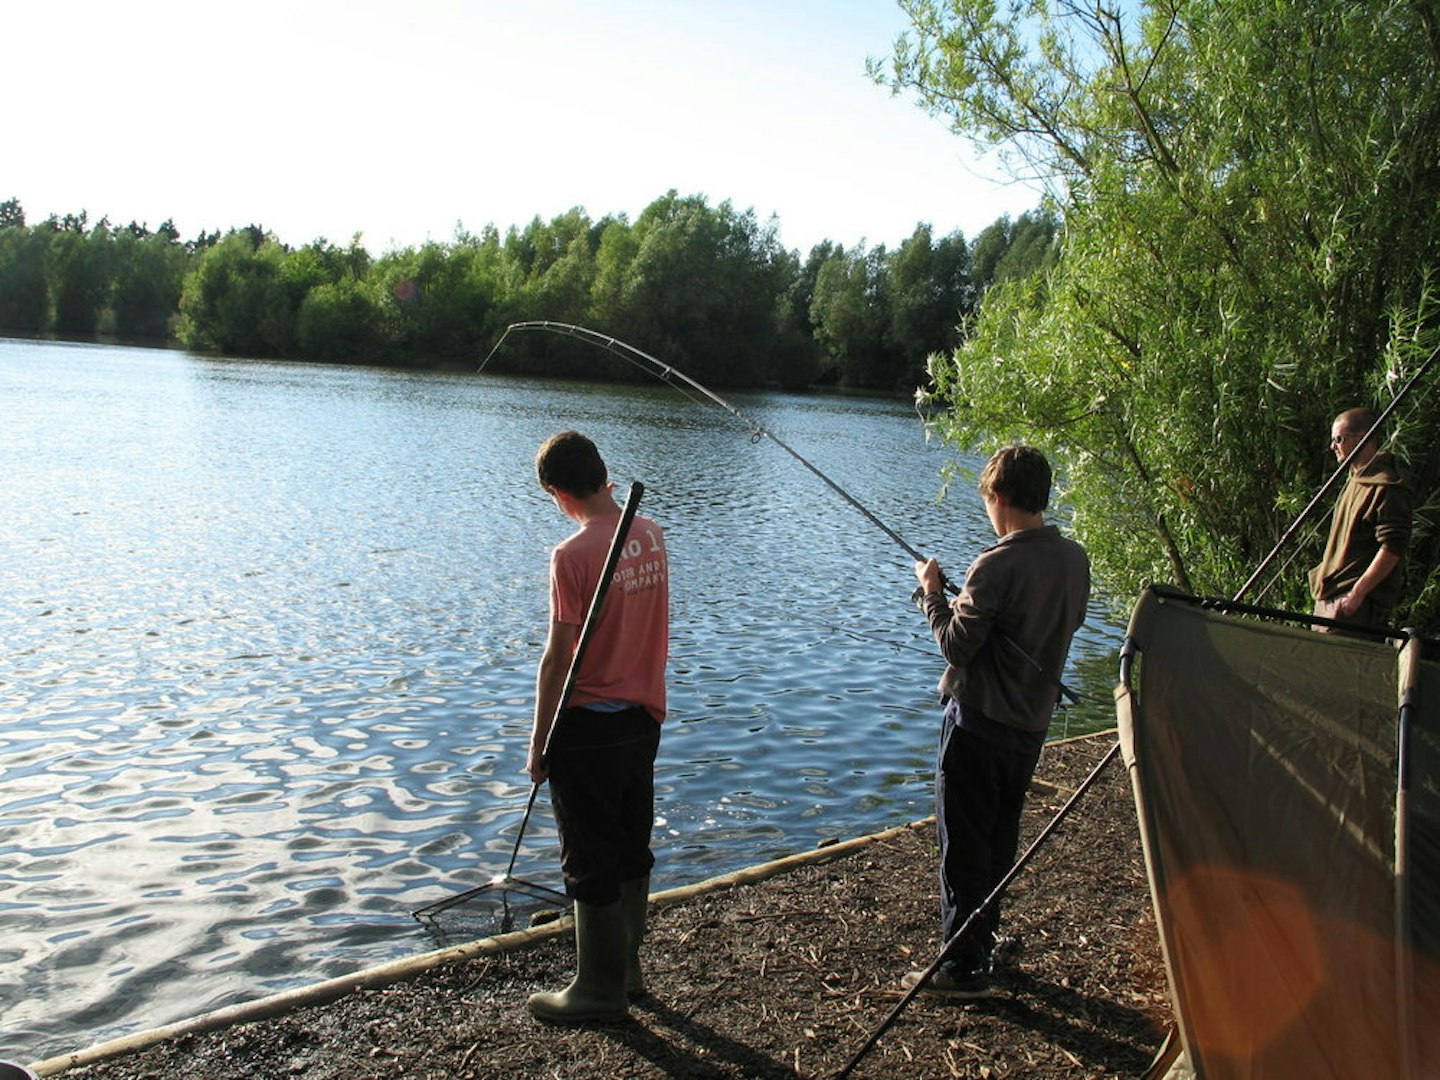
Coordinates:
[1250,202]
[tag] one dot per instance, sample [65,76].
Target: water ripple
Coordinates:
[271,632]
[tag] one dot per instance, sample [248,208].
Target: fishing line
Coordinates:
[862,635]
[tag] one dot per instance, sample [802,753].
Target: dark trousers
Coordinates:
[602,786]
[980,791]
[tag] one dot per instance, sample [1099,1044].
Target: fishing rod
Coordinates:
[1336,476]
[678,379]
[505,881]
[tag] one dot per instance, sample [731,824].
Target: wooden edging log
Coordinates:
[409,967]
[395,971]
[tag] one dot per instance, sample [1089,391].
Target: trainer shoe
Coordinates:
[943,984]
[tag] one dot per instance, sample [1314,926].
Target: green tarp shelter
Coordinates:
[1287,785]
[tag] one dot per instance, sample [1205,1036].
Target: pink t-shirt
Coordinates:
[625,659]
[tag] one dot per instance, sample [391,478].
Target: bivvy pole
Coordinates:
[985,904]
[667,374]
[1335,478]
[612,559]
[1404,953]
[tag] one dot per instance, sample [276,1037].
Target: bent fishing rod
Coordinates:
[587,628]
[684,383]
[667,374]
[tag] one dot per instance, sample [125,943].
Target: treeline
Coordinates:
[707,288]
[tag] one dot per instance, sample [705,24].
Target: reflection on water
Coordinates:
[270,634]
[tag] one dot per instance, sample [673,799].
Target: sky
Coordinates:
[404,120]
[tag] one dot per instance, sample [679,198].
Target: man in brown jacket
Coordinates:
[1358,579]
[1004,639]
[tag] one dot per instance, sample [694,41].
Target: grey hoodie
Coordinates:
[1023,600]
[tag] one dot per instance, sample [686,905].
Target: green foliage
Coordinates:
[708,288]
[795,356]
[1006,250]
[149,272]
[878,314]
[555,267]
[930,291]
[441,303]
[849,310]
[1251,217]
[80,268]
[700,286]
[239,300]
[343,321]
[24,276]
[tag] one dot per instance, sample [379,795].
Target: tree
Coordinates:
[236,301]
[795,359]
[12,214]
[930,296]
[442,303]
[696,285]
[81,270]
[850,310]
[1251,218]
[555,267]
[342,321]
[1007,250]
[24,276]
[149,274]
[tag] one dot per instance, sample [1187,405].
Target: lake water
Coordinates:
[270,633]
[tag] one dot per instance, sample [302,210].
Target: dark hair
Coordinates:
[570,463]
[1021,475]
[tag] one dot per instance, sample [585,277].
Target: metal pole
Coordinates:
[1404,951]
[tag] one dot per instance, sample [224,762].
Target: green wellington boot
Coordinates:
[597,993]
[635,902]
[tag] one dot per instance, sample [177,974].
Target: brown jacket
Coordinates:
[1023,600]
[1374,510]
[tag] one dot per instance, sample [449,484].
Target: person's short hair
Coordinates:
[570,463]
[1021,475]
[1359,420]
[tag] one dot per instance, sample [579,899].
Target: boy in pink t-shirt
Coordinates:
[601,756]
